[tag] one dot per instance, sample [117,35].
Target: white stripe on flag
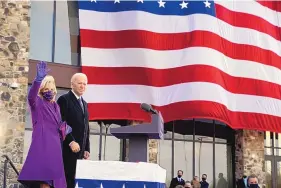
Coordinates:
[132,57]
[201,91]
[254,8]
[176,24]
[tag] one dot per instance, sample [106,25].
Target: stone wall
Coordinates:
[153,150]
[14,48]
[249,154]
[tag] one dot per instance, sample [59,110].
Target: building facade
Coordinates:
[49,31]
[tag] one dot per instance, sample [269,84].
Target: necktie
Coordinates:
[81,104]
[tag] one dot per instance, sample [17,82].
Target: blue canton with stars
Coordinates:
[161,7]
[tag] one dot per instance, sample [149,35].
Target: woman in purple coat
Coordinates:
[44,164]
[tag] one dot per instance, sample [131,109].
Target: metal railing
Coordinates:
[6,162]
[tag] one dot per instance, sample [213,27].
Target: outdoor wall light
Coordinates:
[13,85]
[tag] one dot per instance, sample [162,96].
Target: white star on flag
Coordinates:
[116,1]
[161,3]
[139,1]
[183,5]
[93,1]
[77,186]
[123,186]
[144,186]
[101,185]
[207,4]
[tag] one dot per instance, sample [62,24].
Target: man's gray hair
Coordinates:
[253,176]
[78,75]
[179,186]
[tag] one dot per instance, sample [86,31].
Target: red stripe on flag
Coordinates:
[240,19]
[183,110]
[157,41]
[166,77]
[273,5]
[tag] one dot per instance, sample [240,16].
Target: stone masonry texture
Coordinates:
[249,154]
[14,52]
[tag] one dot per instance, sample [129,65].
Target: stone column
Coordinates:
[14,48]
[249,154]
[153,150]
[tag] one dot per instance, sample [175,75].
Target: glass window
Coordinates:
[223,166]
[41,24]
[277,144]
[107,128]
[272,142]
[184,159]
[165,158]
[268,139]
[111,148]
[204,160]
[204,142]
[268,174]
[94,127]
[41,32]
[94,147]
[268,143]
[27,142]
[278,174]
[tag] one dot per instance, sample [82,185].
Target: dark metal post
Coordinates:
[173,149]
[100,144]
[54,30]
[273,159]
[5,173]
[124,149]
[199,157]
[104,146]
[193,149]
[214,154]
[233,164]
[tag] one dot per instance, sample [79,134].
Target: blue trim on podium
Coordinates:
[92,183]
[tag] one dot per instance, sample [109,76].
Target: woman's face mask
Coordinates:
[48,95]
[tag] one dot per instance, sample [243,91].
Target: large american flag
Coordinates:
[189,59]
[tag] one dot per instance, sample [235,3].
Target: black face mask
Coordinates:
[179,176]
[254,186]
[203,179]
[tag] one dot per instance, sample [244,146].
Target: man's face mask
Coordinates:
[254,186]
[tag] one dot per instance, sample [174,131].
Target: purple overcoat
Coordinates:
[44,162]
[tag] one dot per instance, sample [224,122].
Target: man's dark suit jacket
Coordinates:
[175,182]
[204,184]
[72,113]
[240,183]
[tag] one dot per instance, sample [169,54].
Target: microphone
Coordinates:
[148,108]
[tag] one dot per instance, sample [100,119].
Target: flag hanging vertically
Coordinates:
[189,59]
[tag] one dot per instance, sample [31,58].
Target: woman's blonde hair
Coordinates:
[49,82]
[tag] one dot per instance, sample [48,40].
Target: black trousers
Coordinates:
[70,161]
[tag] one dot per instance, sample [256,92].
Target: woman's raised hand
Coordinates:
[42,71]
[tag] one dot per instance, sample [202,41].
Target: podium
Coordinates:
[139,135]
[118,174]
